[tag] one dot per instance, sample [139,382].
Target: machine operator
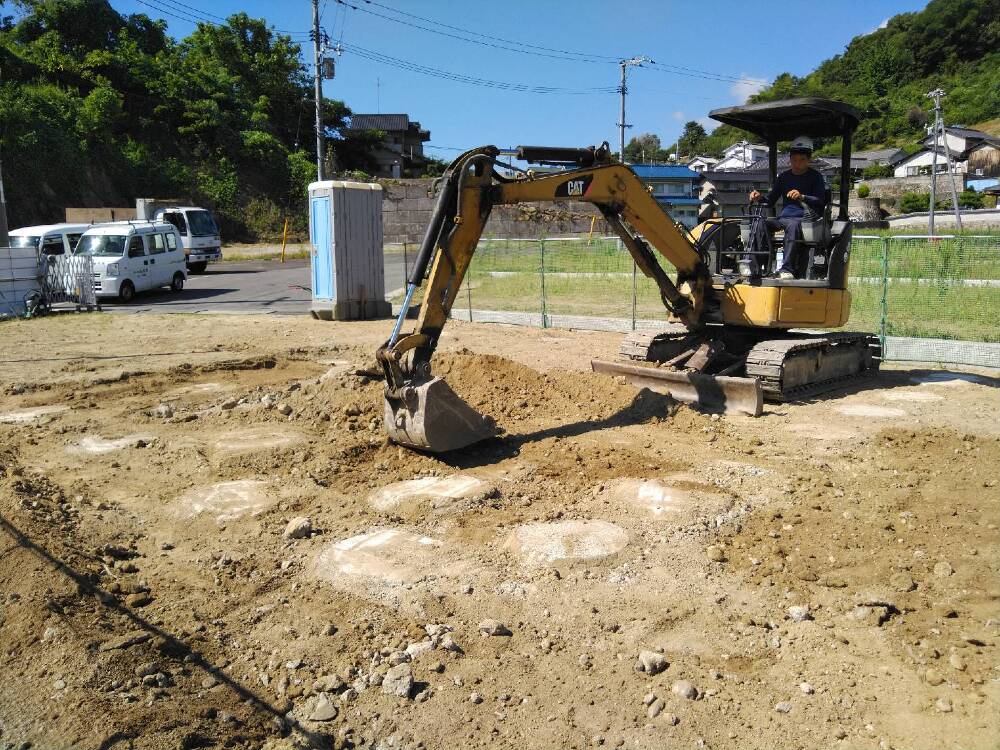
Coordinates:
[798,185]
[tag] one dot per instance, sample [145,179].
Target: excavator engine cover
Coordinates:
[430,416]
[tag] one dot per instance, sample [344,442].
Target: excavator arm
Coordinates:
[421,410]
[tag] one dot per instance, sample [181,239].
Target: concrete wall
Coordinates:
[98,215]
[893,187]
[406,211]
[977,219]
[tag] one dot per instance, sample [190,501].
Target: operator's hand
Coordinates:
[754,196]
[794,195]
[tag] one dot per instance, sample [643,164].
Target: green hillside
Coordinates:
[954,44]
[97,108]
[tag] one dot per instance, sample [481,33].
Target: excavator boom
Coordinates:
[422,411]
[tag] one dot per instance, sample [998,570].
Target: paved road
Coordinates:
[265,286]
[253,287]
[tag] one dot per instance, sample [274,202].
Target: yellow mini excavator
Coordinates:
[727,341]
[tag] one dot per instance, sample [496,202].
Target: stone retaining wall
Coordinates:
[406,211]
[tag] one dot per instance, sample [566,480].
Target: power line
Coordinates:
[495,42]
[190,14]
[396,62]
[533,49]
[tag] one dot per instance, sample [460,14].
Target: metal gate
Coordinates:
[69,278]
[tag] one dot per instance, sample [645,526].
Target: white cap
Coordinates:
[802,143]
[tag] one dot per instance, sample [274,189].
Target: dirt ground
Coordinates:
[615,571]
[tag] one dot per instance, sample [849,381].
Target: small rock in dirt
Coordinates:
[651,662]
[806,688]
[943,705]
[323,710]
[268,401]
[783,708]
[140,599]
[126,641]
[648,699]
[209,682]
[902,582]
[840,734]
[397,657]
[671,719]
[146,669]
[715,553]
[284,409]
[329,629]
[475,698]
[957,662]
[448,643]
[352,411]
[420,647]
[684,689]
[59,684]
[493,627]
[298,528]
[933,677]
[398,681]
[799,613]
[163,411]
[943,569]
[227,405]
[655,708]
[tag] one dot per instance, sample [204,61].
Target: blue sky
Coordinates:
[730,44]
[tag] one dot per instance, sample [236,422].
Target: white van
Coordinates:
[134,256]
[199,234]
[49,239]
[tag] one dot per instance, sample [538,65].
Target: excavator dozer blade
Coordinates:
[718,393]
[432,417]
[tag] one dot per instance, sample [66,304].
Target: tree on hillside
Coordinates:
[121,110]
[692,140]
[643,148]
[954,44]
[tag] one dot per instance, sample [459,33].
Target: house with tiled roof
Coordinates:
[401,154]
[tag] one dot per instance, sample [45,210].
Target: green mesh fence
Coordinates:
[930,299]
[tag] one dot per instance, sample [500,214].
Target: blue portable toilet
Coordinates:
[345,231]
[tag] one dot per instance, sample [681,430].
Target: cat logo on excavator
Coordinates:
[575,188]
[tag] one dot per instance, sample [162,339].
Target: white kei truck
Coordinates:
[198,230]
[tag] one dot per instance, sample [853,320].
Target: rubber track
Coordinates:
[767,355]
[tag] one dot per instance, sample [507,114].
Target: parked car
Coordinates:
[134,256]
[49,239]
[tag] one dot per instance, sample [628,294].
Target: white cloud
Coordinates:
[746,87]
[679,116]
[880,26]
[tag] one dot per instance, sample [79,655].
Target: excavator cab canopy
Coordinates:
[785,119]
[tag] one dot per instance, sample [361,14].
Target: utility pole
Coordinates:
[4,233]
[623,89]
[318,92]
[939,132]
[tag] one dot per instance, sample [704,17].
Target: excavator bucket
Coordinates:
[430,416]
[716,393]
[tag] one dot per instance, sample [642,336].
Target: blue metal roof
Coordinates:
[663,171]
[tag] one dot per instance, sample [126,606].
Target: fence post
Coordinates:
[541,245]
[406,266]
[633,292]
[884,322]
[468,289]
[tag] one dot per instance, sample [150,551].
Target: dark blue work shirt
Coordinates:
[810,183]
